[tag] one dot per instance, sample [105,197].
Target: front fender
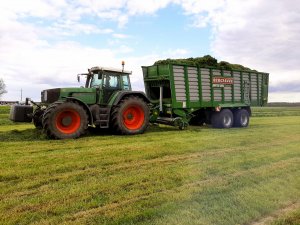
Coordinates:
[85,106]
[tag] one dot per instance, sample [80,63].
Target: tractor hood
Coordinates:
[87,95]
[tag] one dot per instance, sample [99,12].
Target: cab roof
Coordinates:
[109,69]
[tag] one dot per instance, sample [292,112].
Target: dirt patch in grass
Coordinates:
[283,212]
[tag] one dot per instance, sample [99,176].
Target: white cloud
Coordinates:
[260,34]
[138,7]
[284,97]
[192,7]
[35,56]
[35,8]
[121,36]
[70,28]
[34,68]
[264,35]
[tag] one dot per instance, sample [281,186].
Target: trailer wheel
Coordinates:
[241,118]
[38,118]
[130,116]
[223,119]
[65,120]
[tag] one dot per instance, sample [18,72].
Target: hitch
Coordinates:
[29,101]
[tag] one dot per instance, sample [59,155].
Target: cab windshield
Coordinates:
[96,81]
[109,80]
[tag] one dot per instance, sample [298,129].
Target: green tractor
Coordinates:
[106,101]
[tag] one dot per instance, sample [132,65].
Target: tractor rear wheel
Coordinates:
[130,116]
[241,118]
[65,120]
[223,119]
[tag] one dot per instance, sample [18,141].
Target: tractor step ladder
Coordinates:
[104,117]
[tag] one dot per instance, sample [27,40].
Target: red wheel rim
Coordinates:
[133,117]
[67,121]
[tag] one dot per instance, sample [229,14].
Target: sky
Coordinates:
[46,43]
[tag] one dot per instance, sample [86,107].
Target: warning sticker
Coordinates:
[222,80]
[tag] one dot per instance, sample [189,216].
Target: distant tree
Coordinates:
[2,87]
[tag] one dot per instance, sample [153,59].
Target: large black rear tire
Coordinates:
[130,116]
[65,120]
[241,118]
[223,119]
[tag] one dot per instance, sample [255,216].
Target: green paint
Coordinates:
[157,73]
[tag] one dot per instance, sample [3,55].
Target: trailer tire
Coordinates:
[241,118]
[65,120]
[223,119]
[130,116]
[198,120]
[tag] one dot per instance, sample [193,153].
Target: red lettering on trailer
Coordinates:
[222,80]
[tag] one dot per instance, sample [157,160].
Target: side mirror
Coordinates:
[78,78]
[99,76]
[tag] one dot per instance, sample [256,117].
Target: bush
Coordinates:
[4,109]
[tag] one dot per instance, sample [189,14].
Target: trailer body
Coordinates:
[183,91]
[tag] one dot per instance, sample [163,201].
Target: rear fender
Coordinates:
[123,94]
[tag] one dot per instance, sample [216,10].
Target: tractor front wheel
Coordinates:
[37,118]
[130,116]
[65,120]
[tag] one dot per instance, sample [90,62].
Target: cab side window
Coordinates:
[96,81]
[126,84]
[111,81]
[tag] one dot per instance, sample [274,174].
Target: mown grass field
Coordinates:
[165,176]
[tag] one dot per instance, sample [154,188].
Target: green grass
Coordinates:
[291,218]
[275,111]
[4,109]
[165,176]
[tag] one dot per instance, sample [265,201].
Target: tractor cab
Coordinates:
[108,81]
[108,78]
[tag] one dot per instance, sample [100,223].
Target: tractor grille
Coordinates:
[50,95]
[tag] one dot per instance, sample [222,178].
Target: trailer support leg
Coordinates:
[160,98]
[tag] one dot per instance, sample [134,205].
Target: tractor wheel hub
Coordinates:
[130,116]
[66,121]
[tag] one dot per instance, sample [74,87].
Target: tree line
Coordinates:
[2,87]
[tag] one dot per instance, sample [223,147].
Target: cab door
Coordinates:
[96,83]
[111,84]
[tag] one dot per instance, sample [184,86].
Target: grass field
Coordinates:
[165,176]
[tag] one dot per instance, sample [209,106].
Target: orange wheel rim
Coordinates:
[133,117]
[68,121]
